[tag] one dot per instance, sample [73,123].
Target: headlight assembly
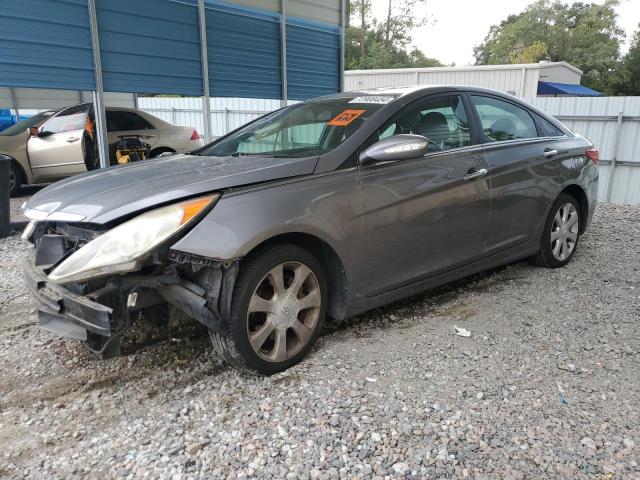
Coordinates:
[123,248]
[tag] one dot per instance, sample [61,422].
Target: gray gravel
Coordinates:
[546,386]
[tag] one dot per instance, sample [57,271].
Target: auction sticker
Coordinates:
[345,118]
[378,99]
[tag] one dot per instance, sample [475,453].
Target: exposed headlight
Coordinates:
[122,248]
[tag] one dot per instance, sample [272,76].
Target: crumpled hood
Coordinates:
[102,196]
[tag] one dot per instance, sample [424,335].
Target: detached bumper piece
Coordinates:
[66,313]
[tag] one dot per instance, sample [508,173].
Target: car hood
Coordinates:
[105,195]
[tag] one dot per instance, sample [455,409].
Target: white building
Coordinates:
[521,80]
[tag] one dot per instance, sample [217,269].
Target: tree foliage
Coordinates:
[627,78]
[373,43]
[583,34]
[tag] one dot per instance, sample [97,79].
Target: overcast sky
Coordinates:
[456,26]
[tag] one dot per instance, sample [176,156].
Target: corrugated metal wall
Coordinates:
[252,51]
[596,119]
[313,51]
[46,44]
[149,46]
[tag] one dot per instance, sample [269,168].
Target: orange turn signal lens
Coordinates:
[192,208]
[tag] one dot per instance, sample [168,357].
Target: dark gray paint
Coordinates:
[397,227]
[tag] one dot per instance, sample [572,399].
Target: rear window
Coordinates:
[548,128]
[503,121]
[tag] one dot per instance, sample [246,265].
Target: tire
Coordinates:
[16,179]
[560,237]
[297,311]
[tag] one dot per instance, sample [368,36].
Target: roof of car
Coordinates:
[411,89]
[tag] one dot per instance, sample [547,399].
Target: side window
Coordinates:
[502,121]
[68,120]
[548,128]
[443,120]
[122,121]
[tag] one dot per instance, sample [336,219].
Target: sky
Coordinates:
[456,26]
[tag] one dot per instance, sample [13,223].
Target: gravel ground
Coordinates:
[546,386]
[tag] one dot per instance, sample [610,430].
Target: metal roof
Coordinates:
[467,68]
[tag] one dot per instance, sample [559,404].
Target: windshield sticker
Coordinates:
[345,118]
[373,99]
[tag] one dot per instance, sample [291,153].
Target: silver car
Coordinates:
[324,209]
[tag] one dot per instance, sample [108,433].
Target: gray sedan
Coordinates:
[323,209]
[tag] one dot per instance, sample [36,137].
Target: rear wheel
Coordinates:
[561,233]
[277,311]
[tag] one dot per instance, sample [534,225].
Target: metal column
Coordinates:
[14,101]
[614,158]
[283,52]
[98,94]
[206,103]
[343,22]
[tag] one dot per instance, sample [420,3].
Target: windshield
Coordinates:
[301,130]
[34,121]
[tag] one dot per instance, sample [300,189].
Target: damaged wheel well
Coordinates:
[334,268]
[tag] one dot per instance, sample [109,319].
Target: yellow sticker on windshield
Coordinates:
[345,118]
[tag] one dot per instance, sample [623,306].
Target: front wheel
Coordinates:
[561,233]
[277,311]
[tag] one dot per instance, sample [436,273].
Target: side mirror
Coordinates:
[396,147]
[34,131]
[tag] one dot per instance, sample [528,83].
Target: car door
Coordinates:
[514,152]
[57,151]
[126,122]
[428,215]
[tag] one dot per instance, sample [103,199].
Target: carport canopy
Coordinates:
[566,89]
[284,49]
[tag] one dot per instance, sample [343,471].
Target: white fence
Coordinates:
[613,125]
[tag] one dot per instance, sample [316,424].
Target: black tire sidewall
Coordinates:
[19,180]
[545,245]
[251,273]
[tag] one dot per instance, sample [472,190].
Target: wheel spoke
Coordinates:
[558,219]
[573,236]
[302,331]
[277,277]
[258,338]
[279,352]
[312,300]
[556,248]
[563,248]
[565,213]
[573,219]
[301,274]
[259,304]
[555,235]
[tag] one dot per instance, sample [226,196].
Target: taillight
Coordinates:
[593,154]
[195,135]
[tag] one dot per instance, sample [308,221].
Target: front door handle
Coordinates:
[476,174]
[72,139]
[550,153]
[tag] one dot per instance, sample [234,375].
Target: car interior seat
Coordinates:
[435,127]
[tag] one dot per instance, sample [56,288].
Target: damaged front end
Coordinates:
[99,310]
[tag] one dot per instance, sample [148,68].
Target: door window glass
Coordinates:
[122,121]
[548,128]
[442,120]
[502,121]
[68,120]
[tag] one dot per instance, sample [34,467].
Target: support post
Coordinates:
[5,169]
[206,99]
[283,52]
[523,81]
[343,21]
[135,101]
[14,101]
[98,94]
[614,158]
[227,120]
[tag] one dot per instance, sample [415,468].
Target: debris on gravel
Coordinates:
[547,386]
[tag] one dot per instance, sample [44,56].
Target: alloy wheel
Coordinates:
[564,231]
[283,311]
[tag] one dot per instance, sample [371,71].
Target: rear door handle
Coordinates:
[72,139]
[550,153]
[476,174]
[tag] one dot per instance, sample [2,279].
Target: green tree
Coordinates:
[371,43]
[584,34]
[627,78]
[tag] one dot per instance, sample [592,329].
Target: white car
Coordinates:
[57,150]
